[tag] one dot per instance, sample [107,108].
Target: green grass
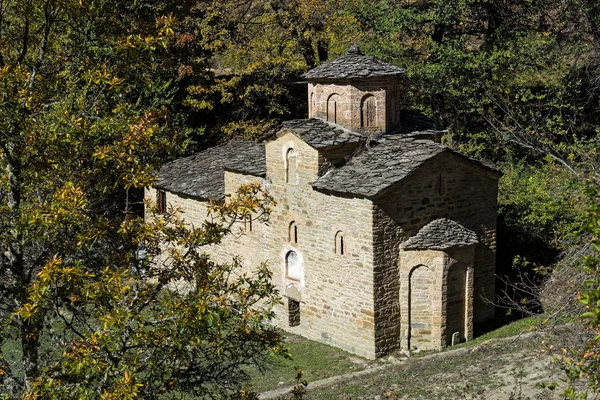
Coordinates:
[316,360]
[319,361]
[514,328]
[461,375]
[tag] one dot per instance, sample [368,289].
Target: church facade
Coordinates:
[381,237]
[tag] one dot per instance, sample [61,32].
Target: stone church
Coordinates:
[381,238]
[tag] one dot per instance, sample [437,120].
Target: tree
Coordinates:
[86,115]
[137,323]
[581,362]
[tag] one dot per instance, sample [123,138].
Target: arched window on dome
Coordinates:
[368,111]
[333,105]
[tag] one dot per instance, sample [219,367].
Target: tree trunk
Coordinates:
[29,330]
[30,344]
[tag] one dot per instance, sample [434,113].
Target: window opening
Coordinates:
[441,185]
[335,112]
[339,243]
[368,112]
[332,108]
[292,266]
[293,233]
[293,312]
[290,166]
[161,201]
[248,222]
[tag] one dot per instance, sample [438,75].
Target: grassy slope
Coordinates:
[316,360]
[506,366]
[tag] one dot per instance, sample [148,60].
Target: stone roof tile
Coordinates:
[202,175]
[379,167]
[318,133]
[441,234]
[353,64]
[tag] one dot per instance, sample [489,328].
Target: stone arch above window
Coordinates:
[293,267]
[368,111]
[291,169]
[340,243]
[333,107]
[293,232]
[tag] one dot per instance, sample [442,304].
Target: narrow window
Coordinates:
[441,185]
[339,243]
[290,166]
[293,233]
[292,266]
[312,104]
[368,112]
[248,223]
[332,107]
[335,112]
[161,201]
[294,312]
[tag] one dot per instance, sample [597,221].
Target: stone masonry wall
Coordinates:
[334,291]
[445,186]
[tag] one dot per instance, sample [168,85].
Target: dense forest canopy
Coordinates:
[95,94]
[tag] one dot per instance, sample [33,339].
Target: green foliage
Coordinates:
[541,201]
[150,324]
[90,106]
[584,363]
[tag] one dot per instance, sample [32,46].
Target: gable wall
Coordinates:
[336,292]
[469,199]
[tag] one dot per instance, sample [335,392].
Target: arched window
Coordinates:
[290,166]
[333,107]
[293,269]
[339,243]
[311,112]
[368,111]
[248,222]
[293,232]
